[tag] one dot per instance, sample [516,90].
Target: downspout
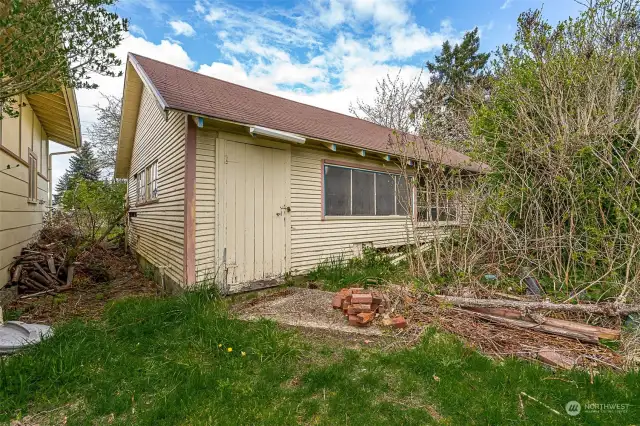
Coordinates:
[49,169]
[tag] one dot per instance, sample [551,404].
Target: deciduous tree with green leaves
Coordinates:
[47,44]
[96,206]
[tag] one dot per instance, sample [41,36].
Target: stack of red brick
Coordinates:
[361,306]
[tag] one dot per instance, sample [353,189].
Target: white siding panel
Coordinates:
[313,239]
[206,264]
[20,220]
[157,231]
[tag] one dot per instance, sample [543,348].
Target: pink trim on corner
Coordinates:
[322,190]
[190,203]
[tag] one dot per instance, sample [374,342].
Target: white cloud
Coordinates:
[199,7]
[266,56]
[267,25]
[506,4]
[182,28]
[332,14]
[135,29]
[383,13]
[213,15]
[408,40]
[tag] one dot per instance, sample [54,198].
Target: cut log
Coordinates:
[583,337]
[609,309]
[34,285]
[601,332]
[70,275]
[34,275]
[46,275]
[51,264]
[16,274]
[553,358]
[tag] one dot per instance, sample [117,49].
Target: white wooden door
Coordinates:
[254,213]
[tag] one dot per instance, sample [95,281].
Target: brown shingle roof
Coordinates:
[196,93]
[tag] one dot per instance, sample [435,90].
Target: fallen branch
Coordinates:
[583,337]
[40,293]
[601,332]
[609,309]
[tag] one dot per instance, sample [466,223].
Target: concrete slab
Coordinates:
[301,307]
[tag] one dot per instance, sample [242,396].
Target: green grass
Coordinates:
[158,361]
[371,269]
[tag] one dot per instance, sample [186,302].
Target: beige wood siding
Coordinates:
[314,239]
[20,220]
[157,231]
[206,265]
[26,128]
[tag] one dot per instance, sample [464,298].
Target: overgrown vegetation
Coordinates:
[96,207]
[555,117]
[167,361]
[370,269]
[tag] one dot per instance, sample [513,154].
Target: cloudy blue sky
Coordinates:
[328,53]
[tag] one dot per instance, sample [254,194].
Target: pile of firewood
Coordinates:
[39,269]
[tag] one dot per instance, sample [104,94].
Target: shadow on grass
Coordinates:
[166,361]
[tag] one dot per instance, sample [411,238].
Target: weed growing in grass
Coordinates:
[369,270]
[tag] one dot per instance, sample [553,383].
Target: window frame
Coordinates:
[147,184]
[440,204]
[369,169]
[32,180]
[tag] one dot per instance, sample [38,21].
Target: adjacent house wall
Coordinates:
[156,229]
[20,218]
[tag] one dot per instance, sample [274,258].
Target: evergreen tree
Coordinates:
[82,165]
[455,67]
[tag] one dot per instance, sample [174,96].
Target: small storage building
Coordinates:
[241,187]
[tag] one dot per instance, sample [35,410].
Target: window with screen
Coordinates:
[436,206]
[359,192]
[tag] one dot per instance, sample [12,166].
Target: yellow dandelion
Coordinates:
[243,353]
[219,345]
[229,349]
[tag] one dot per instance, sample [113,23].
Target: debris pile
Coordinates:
[40,268]
[361,307]
[555,334]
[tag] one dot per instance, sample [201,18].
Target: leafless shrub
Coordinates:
[558,123]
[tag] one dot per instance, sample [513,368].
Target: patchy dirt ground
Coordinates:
[301,307]
[87,299]
[311,310]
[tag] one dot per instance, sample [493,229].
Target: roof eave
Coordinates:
[129,113]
